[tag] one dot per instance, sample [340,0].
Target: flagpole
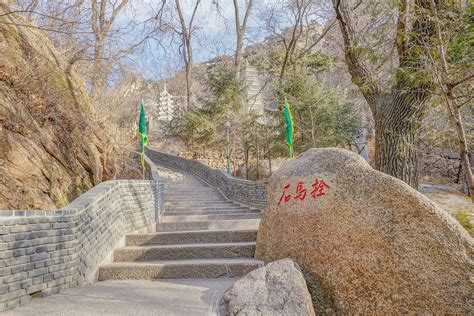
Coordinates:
[289,128]
[143,145]
[143,133]
[143,158]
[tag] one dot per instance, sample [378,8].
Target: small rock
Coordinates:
[279,288]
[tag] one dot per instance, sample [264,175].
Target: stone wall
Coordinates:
[151,172]
[252,193]
[43,252]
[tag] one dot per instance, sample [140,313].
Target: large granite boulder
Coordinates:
[279,288]
[366,242]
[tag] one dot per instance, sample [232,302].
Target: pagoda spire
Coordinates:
[166,105]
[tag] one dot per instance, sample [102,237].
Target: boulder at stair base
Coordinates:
[279,288]
[366,242]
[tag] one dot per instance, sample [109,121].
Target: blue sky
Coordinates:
[215,35]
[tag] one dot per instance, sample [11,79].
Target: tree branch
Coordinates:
[361,74]
[402,28]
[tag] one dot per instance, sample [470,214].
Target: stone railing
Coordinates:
[252,193]
[151,173]
[43,252]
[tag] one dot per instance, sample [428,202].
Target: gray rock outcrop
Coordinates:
[279,288]
[51,147]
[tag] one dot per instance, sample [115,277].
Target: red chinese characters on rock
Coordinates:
[300,191]
[283,196]
[318,191]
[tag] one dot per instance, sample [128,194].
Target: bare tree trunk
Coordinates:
[246,148]
[396,141]
[455,114]
[285,62]
[98,71]
[189,88]
[240,32]
[270,164]
[452,104]
[397,110]
[101,25]
[313,128]
[189,70]
[186,35]
[31,8]
[463,148]
[295,34]
[234,152]
[238,55]
[257,160]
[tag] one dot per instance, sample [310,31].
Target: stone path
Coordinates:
[454,202]
[202,244]
[164,297]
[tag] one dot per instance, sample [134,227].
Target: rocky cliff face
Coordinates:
[50,149]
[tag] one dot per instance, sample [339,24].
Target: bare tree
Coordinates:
[447,83]
[397,106]
[299,11]
[187,49]
[296,24]
[101,23]
[89,32]
[61,21]
[240,29]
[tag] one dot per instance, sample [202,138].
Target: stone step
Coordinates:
[202,206]
[186,209]
[185,251]
[196,201]
[190,237]
[178,269]
[188,187]
[191,188]
[209,225]
[177,192]
[195,193]
[200,197]
[192,193]
[199,218]
[201,235]
[210,212]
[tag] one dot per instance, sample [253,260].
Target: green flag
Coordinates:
[289,128]
[142,131]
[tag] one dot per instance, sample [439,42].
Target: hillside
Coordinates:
[50,149]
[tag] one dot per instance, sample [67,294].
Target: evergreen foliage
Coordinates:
[323,117]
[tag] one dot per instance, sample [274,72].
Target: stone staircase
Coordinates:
[254,84]
[201,235]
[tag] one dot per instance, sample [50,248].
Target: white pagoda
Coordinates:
[166,106]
